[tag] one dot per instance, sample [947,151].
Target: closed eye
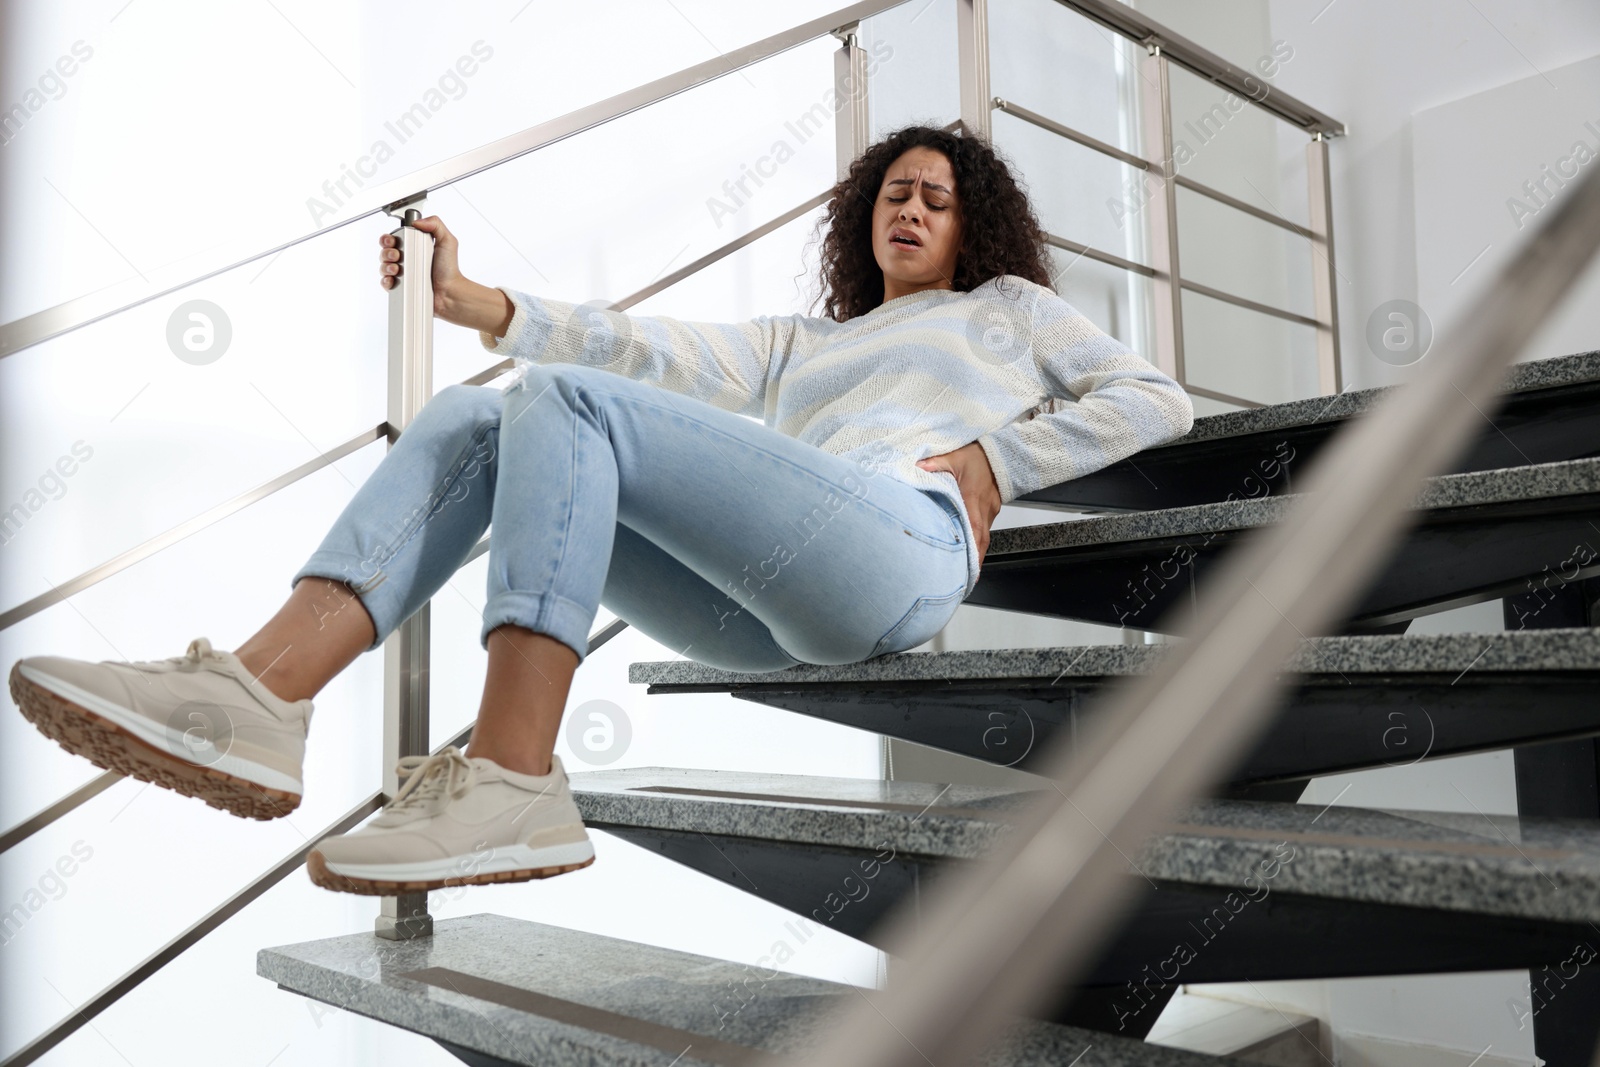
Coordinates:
[902,199]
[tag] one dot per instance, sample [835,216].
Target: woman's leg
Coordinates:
[834,561]
[525,694]
[404,533]
[813,558]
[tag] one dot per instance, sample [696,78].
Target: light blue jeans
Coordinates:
[728,542]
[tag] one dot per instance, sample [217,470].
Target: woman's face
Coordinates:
[916,223]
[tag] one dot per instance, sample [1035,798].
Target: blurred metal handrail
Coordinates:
[397,193]
[998,938]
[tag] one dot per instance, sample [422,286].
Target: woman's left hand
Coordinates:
[979,491]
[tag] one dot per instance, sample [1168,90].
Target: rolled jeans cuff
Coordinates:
[375,594]
[547,613]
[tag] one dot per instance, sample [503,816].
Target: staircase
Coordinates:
[1247,885]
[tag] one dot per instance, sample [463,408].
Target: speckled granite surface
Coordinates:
[1520,650]
[693,1009]
[913,818]
[1535,868]
[1537,374]
[1537,482]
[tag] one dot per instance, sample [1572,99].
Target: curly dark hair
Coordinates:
[1000,233]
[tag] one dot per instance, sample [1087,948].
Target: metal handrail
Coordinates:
[1088,141]
[1246,302]
[397,193]
[1000,936]
[230,907]
[1133,24]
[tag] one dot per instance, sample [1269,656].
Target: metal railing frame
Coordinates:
[1162,49]
[410,368]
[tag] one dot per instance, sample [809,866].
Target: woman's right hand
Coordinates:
[447,278]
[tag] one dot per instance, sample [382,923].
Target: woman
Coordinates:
[615,468]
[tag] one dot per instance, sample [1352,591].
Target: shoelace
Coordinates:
[428,778]
[198,651]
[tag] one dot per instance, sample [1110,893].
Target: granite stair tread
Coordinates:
[1532,375]
[522,992]
[1572,649]
[1543,481]
[1352,703]
[1550,412]
[1541,869]
[1471,538]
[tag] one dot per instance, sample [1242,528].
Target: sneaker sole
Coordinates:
[317,867]
[106,744]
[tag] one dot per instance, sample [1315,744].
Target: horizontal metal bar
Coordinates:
[1226,398]
[53,322]
[725,250]
[149,548]
[172,949]
[484,377]
[1239,301]
[1090,252]
[1239,205]
[40,819]
[1124,19]
[1070,134]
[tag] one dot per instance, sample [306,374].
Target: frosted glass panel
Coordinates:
[1247,354]
[165,416]
[1227,249]
[911,57]
[1233,146]
[1116,300]
[1054,61]
[1073,188]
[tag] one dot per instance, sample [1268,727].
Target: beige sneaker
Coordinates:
[199,724]
[458,821]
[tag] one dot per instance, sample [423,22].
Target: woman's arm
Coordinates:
[478,307]
[1123,404]
[730,365]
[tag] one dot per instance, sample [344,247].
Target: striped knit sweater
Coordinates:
[917,376]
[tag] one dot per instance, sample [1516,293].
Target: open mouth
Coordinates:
[900,237]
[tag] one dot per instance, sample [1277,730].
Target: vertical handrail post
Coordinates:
[1330,376]
[1161,204]
[852,133]
[852,124]
[405,651]
[972,65]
